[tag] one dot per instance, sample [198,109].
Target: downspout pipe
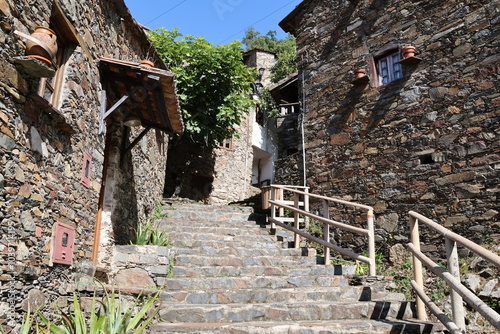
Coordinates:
[97,232]
[302,116]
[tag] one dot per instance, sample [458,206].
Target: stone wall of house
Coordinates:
[258,59]
[233,167]
[428,142]
[41,151]
[217,176]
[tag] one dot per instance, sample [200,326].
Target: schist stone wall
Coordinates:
[427,142]
[42,149]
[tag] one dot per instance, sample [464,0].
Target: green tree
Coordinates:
[284,48]
[213,84]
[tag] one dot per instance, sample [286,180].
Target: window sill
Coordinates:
[34,67]
[54,113]
[361,81]
[410,61]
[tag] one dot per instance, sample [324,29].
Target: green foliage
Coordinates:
[267,104]
[158,214]
[109,315]
[149,234]
[402,276]
[213,84]
[170,268]
[285,49]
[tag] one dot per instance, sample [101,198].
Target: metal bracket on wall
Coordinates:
[103,114]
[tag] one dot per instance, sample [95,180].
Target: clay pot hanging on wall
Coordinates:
[147,63]
[408,51]
[359,73]
[45,46]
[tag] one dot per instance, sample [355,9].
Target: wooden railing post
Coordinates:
[371,241]
[417,268]
[281,198]
[273,208]
[306,207]
[326,231]
[457,305]
[296,237]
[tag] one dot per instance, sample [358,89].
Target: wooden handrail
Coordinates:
[450,276]
[357,230]
[341,250]
[331,199]
[481,251]
[282,204]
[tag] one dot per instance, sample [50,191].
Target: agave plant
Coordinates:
[149,234]
[107,316]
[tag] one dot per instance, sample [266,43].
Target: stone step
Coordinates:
[243,251]
[172,206]
[239,242]
[273,261]
[274,282]
[217,237]
[300,327]
[180,222]
[285,295]
[302,311]
[205,215]
[236,242]
[232,271]
[179,230]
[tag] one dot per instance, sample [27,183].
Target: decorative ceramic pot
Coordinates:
[408,51]
[46,40]
[147,63]
[359,73]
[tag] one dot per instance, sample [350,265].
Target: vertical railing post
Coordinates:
[306,207]
[296,240]
[371,241]
[281,198]
[273,207]
[457,305]
[326,231]
[417,267]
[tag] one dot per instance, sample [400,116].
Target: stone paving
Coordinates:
[230,275]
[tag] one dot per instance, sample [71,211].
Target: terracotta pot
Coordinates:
[147,63]
[408,51]
[44,36]
[359,73]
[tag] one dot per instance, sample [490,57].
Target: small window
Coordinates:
[227,144]
[259,116]
[51,88]
[389,68]
[86,169]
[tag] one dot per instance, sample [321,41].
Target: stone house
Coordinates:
[416,132]
[236,169]
[74,180]
[289,165]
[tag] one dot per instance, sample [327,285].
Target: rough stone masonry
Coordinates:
[428,141]
[43,144]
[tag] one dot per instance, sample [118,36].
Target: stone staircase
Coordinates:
[231,275]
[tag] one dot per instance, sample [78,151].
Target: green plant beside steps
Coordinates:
[107,316]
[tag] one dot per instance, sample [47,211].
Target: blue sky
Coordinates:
[220,21]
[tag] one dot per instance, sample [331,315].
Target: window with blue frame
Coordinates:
[389,68]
